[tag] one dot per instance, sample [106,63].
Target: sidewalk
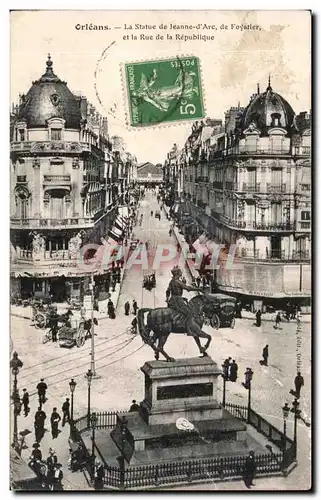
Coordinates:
[26,312]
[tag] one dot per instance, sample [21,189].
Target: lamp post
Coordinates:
[297,414]
[93,421]
[225,379]
[285,410]
[92,363]
[15,365]
[72,385]
[247,384]
[89,376]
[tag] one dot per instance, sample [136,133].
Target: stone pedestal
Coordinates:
[184,388]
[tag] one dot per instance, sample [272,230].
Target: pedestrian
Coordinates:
[99,476]
[265,355]
[51,464]
[278,320]
[36,452]
[57,478]
[249,470]
[298,383]
[226,367]
[233,371]
[134,326]
[134,406]
[258,318]
[65,412]
[204,282]
[127,308]
[25,402]
[39,424]
[135,307]
[54,420]
[238,307]
[198,281]
[41,388]
[111,309]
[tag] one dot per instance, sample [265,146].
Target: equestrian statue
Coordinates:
[180,317]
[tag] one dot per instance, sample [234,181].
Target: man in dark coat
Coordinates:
[265,355]
[25,402]
[278,320]
[134,406]
[57,478]
[233,371]
[258,318]
[127,308]
[99,475]
[39,423]
[54,420]
[65,412]
[226,366]
[41,388]
[298,383]
[134,326]
[249,470]
[135,307]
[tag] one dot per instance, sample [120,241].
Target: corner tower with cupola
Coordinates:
[59,193]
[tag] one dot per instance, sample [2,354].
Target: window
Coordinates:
[22,136]
[56,134]
[305,215]
[305,187]
[276,176]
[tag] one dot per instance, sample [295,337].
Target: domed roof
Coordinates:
[49,97]
[268,110]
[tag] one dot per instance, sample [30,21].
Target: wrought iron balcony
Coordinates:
[251,187]
[302,150]
[246,150]
[33,223]
[276,188]
[274,255]
[54,179]
[304,225]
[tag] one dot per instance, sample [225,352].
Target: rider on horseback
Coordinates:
[175,300]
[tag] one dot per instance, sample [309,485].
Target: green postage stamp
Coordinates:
[161,91]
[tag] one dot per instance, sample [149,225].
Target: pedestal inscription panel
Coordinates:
[184,391]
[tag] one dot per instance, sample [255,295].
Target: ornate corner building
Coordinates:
[69,187]
[247,183]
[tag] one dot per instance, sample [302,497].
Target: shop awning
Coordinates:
[115,233]
[123,212]
[120,223]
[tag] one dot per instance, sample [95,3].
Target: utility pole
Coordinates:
[92,363]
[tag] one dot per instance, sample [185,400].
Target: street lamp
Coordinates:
[225,379]
[285,410]
[15,365]
[297,414]
[93,421]
[247,384]
[72,385]
[89,376]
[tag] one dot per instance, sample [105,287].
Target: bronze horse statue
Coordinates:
[163,321]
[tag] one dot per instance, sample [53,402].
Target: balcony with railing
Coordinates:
[252,225]
[51,146]
[304,225]
[56,179]
[275,188]
[247,150]
[62,258]
[217,185]
[274,255]
[44,223]
[251,187]
[302,151]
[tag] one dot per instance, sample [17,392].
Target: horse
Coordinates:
[163,320]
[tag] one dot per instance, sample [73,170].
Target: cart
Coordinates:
[220,310]
[70,337]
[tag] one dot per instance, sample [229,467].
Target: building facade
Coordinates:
[248,186]
[65,185]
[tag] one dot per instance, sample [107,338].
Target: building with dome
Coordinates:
[247,185]
[65,187]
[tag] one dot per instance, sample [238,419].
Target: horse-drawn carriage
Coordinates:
[70,337]
[42,310]
[219,309]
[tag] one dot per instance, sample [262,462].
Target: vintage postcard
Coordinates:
[160,250]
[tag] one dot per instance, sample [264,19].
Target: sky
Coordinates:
[91,62]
